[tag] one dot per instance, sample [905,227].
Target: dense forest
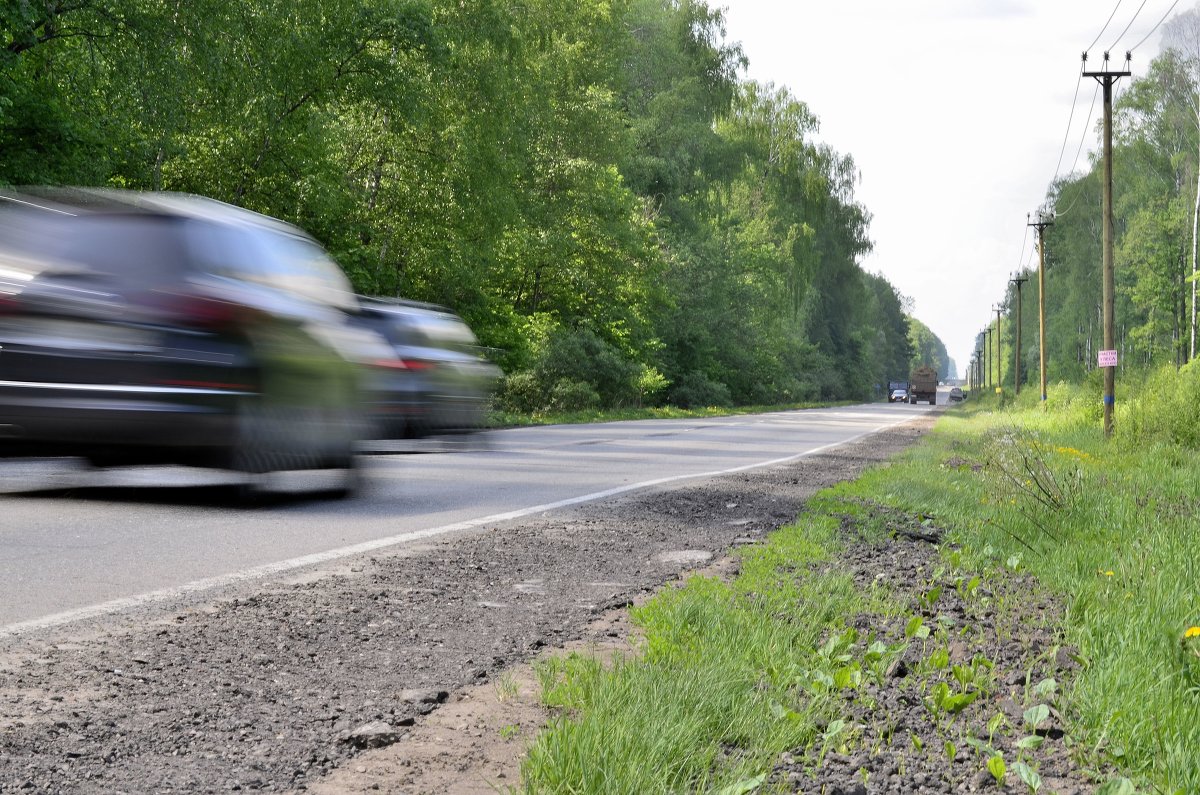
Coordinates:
[1156,151]
[619,214]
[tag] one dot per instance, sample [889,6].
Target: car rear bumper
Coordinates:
[79,419]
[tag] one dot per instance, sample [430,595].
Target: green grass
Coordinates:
[731,675]
[724,683]
[1120,550]
[508,419]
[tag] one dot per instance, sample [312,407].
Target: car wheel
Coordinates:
[273,440]
[346,431]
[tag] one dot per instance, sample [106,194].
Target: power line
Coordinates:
[1106,24]
[1079,150]
[1082,138]
[1070,119]
[1113,46]
[1164,19]
[1024,240]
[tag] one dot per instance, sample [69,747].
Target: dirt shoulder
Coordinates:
[386,675]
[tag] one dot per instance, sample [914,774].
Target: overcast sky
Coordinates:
[955,112]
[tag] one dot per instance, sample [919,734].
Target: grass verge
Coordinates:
[508,419]
[802,662]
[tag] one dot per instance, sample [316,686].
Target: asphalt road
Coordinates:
[77,543]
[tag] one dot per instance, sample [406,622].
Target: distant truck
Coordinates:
[923,384]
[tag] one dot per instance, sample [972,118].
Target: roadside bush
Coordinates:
[1075,405]
[521,392]
[570,395]
[1166,409]
[573,370]
[697,390]
[651,385]
[580,355]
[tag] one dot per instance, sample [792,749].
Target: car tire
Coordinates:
[267,442]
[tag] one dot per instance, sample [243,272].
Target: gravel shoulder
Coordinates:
[390,673]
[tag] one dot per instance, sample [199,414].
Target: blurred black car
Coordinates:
[956,394]
[439,382]
[165,328]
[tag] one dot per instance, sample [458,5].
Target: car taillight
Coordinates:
[418,364]
[389,364]
[202,311]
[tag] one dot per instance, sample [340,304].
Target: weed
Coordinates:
[930,598]
[915,628]
[1047,688]
[942,700]
[994,725]
[996,766]
[506,687]
[1035,716]
[1028,776]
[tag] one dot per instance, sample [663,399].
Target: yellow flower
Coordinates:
[1192,632]
[1108,573]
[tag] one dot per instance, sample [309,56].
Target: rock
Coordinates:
[375,734]
[424,696]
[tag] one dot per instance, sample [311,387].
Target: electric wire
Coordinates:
[1164,19]
[1070,119]
[1024,240]
[1079,150]
[1113,46]
[1082,138]
[1106,24]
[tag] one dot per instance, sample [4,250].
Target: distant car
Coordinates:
[146,328]
[441,382]
[956,394]
[898,396]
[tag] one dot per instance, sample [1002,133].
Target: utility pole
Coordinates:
[1017,350]
[987,357]
[979,369]
[999,351]
[1040,225]
[1108,357]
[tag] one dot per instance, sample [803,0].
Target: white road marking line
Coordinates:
[270,569]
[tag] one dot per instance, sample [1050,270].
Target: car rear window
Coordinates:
[285,262]
[138,249]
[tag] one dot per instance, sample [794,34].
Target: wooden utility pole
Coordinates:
[999,349]
[1041,224]
[1108,357]
[987,357]
[1017,349]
